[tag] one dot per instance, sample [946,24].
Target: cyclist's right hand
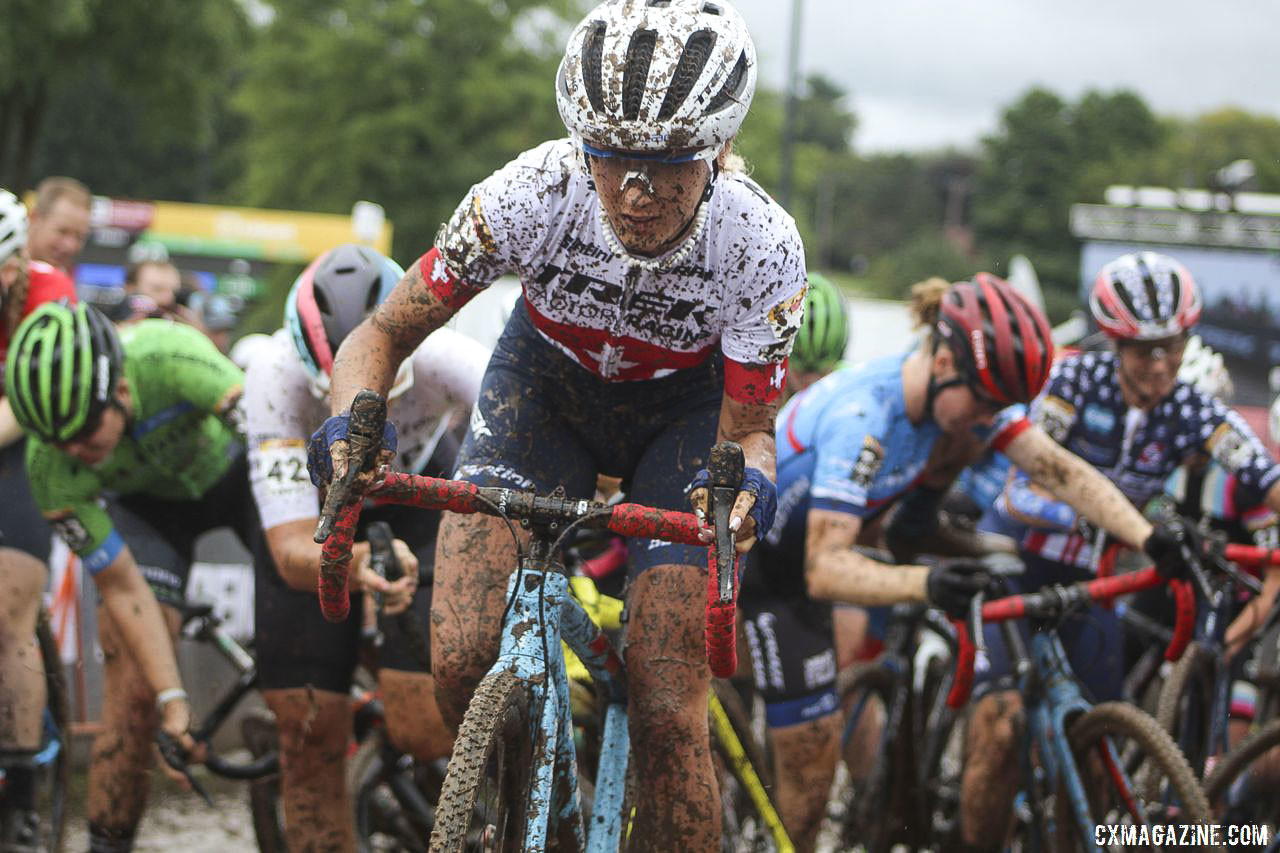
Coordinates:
[175,721]
[950,587]
[327,450]
[1169,545]
[397,595]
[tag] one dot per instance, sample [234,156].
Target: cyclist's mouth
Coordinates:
[643,224]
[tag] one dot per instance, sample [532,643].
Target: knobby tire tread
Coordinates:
[1238,760]
[1123,720]
[499,695]
[1194,667]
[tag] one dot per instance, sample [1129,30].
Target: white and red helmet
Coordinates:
[1145,296]
[657,76]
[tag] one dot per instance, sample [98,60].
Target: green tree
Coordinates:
[405,103]
[123,94]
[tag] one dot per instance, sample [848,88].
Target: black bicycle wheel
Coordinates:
[1185,709]
[1255,803]
[392,813]
[52,778]
[1098,738]
[258,730]
[482,802]
[868,803]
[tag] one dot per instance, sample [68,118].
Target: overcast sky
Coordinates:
[931,73]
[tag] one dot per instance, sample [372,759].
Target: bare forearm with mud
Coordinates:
[369,356]
[137,616]
[1071,479]
[835,572]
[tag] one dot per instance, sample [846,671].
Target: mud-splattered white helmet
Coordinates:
[13,224]
[658,76]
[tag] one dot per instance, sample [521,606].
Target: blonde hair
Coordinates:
[51,189]
[926,301]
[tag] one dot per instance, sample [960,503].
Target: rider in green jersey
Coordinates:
[142,414]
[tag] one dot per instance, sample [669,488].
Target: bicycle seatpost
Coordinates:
[726,469]
[364,440]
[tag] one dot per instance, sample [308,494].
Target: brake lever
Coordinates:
[979,639]
[364,439]
[726,468]
[174,755]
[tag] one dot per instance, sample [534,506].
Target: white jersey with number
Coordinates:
[282,410]
[741,285]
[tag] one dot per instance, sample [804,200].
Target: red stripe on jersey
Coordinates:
[452,291]
[1009,433]
[614,357]
[755,384]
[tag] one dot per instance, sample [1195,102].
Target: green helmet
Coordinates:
[824,334]
[62,369]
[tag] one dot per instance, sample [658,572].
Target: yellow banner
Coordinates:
[270,235]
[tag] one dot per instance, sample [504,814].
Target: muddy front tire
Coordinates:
[482,803]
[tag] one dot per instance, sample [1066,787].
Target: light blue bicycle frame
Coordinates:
[1055,701]
[540,612]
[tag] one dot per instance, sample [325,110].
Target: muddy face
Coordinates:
[650,204]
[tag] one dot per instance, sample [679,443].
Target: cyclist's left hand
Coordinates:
[397,595]
[753,508]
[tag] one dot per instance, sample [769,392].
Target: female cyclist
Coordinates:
[1128,415]
[305,664]
[661,296]
[849,447]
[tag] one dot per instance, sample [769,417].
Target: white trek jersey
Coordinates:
[740,286]
[282,411]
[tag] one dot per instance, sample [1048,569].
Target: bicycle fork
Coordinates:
[541,613]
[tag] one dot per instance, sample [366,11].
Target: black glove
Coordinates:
[952,586]
[1166,546]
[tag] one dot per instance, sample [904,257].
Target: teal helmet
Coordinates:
[823,336]
[62,369]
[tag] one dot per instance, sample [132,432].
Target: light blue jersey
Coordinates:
[845,444]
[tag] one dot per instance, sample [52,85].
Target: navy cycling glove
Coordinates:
[755,482]
[319,461]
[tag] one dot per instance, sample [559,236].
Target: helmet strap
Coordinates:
[935,387]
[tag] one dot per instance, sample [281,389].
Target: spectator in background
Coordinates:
[158,280]
[59,222]
[218,315]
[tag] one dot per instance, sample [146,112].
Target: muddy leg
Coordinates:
[474,557]
[413,718]
[667,676]
[991,772]
[314,727]
[22,689]
[122,754]
[804,764]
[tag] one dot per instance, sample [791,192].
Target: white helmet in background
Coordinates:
[657,76]
[1203,369]
[247,349]
[13,224]
[1275,421]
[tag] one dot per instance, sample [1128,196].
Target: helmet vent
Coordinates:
[697,51]
[592,65]
[710,9]
[636,74]
[732,86]
[322,301]
[658,4]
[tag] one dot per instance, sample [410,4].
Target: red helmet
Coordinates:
[1000,340]
[1145,296]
